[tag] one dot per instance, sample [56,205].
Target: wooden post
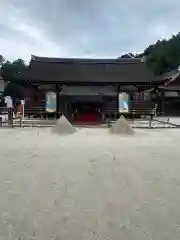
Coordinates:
[109,125]
[162,102]
[21,121]
[1,122]
[57,100]
[117,92]
[10,116]
[66,109]
[150,122]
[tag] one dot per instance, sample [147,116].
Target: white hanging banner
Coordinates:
[123,103]
[51,102]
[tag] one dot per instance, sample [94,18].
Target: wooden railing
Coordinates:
[137,108]
[34,108]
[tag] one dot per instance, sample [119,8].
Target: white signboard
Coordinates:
[22,102]
[8,101]
[123,103]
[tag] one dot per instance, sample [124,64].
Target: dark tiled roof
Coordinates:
[172,80]
[175,80]
[88,70]
[168,76]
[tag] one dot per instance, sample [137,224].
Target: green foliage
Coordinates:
[14,90]
[128,55]
[9,71]
[162,56]
[1,59]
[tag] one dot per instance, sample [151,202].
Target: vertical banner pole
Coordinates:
[23,111]
[22,104]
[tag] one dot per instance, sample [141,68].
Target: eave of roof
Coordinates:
[173,79]
[170,88]
[170,79]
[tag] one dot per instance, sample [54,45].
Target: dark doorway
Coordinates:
[172,107]
[87,112]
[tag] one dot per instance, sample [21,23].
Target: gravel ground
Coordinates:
[89,185]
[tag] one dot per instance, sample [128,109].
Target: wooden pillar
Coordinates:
[163,102]
[66,109]
[10,116]
[117,92]
[117,98]
[57,100]
[150,96]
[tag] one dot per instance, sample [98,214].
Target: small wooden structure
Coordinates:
[167,95]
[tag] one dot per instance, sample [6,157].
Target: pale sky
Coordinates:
[84,28]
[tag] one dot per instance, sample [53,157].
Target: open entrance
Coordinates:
[87,111]
[88,103]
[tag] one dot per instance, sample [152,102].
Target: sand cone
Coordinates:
[122,127]
[63,126]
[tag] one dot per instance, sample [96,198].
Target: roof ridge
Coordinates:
[87,60]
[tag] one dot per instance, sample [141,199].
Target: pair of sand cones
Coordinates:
[63,126]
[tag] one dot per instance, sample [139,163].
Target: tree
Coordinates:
[128,55]
[164,55]
[10,70]
[1,60]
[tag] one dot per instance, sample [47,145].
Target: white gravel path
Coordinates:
[89,185]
